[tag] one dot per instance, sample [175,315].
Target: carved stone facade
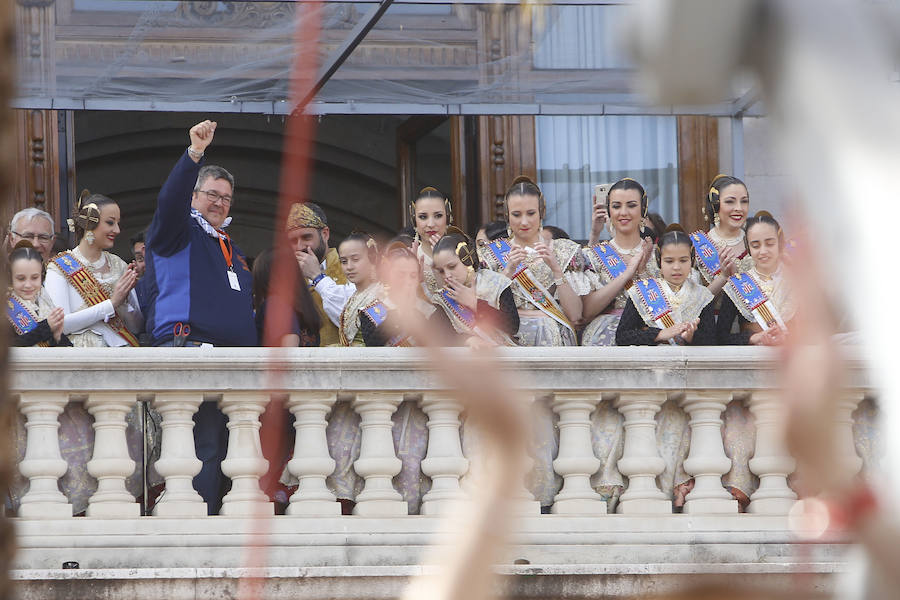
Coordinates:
[234,14]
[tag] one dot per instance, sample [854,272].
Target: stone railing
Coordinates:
[642,545]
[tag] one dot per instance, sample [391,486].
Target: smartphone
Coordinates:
[600,192]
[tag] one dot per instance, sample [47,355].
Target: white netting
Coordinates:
[122,54]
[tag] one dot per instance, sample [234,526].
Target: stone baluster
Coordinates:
[43,464]
[311,463]
[178,461]
[110,463]
[576,462]
[524,502]
[244,462]
[640,460]
[378,462]
[444,461]
[850,461]
[706,460]
[771,461]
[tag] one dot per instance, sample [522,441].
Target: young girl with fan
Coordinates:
[478,303]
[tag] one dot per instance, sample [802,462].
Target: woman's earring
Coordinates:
[509,233]
[716,219]
[89,236]
[416,238]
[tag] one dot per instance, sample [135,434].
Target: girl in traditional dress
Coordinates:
[764,288]
[727,204]
[746,317]
[477,302]
[359,260]
[549,280]
[670,309]
[95,288]
[618,262]
[35,322]
[382,324]
[431,214]
[303,328]
[34,318]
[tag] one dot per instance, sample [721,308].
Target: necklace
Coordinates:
[621,250]
[766,282]
[723,241]
[98,265]
[675,297]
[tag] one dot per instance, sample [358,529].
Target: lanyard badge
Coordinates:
[228,255]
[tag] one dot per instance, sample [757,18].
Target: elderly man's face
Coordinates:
[309,238]
[38,231]
[213,200]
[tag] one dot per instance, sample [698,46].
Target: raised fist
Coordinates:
[202,135]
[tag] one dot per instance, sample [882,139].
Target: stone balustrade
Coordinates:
[385,388]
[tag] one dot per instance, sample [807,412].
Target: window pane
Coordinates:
[580,37]
[576,153]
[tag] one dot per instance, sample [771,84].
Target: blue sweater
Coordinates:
[186,275]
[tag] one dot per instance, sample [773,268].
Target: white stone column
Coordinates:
[640,460]
[707,460]
[444,462]
[244,462]
[311,463]
[110,462]
[43,464]
[178,461]
[850,461]
[378,462]
[771,461]
[576,462]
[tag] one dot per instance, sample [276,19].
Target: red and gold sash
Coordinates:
[90,290]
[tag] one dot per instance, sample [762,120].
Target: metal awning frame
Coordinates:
[282,107]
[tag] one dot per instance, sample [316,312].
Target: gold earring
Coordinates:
[89,236]
[509,233]
[716,219]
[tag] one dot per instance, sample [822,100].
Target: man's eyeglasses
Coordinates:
[214,196]
[41,237]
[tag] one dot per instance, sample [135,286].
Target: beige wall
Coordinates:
[765,173]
